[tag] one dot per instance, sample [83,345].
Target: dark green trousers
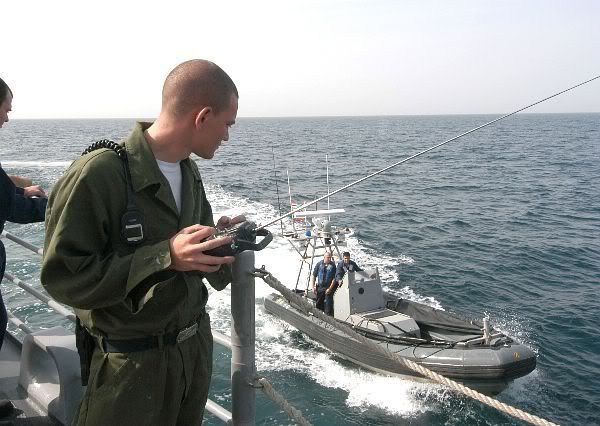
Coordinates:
[163,386]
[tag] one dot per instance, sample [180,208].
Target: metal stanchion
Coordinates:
[243,367]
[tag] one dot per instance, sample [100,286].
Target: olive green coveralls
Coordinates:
[120,291]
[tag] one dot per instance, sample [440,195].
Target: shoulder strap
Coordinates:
[132,221]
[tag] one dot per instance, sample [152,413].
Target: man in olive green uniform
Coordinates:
[144,302]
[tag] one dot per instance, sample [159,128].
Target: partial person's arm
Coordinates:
[315,272]
[14,207]
[356,267]
[339,272]
[28,210]
[333,282]
[81,267]
[7,196]
[21,182]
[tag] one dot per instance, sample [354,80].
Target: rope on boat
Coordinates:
[411,365]
[278,399]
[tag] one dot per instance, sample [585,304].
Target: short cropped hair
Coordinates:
[346,254]
[197,83]
[4,91]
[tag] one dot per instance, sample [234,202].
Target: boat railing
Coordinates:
[244,380]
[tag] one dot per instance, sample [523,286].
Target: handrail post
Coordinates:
[243,335]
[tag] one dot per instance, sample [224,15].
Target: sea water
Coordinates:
[504,222]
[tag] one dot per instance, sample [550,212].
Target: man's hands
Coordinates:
[188,247]
[226,222]
[29,189]
[34,191]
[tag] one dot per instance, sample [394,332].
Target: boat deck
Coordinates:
[26,413]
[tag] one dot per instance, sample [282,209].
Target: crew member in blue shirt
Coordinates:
[346,265]
[324,276]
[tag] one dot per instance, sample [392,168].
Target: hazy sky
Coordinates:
[72,59]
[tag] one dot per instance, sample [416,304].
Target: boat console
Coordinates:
[359,301]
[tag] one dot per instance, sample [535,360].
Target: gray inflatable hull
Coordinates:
[485,368]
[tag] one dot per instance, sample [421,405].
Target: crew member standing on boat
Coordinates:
[324,275]
[16,205]
[346,264]
[143,301]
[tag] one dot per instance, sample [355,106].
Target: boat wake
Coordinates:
[280,347]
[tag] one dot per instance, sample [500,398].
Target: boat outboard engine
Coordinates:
[486,330]
[325,229]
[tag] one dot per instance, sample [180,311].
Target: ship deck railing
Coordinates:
[244,379]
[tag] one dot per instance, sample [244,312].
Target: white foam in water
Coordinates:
[394,395]
[408,293]
[37,164]
[523,386]
[510,325]
[280,347]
